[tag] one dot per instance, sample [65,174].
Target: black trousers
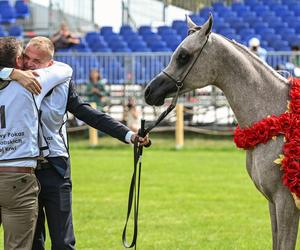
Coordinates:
[55,203]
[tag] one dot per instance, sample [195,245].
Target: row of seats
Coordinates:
[12,30]
[9,13]
[166,39]
[276,23]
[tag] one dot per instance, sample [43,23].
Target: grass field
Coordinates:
[197,198]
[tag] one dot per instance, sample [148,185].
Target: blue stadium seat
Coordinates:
[126,29]
[296,9]
[251,18]
[138,46]
[3,32]
[239,26]
[246,34]
[250,2]
[278,7]
[220,8]
[151,37]
[133,39]
[159,46]
[8,14]
[271,19]
[228,14]
[172,41]
[145,29]
[16,30]
[262,31]
[280,45]
[259,25]
[204,12]
[106,30]
[166,30]
[293,39]
[220,26]
[269,37]
[240,8]
[22,9]
[176,24]
[197,19]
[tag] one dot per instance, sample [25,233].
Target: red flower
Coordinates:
[295,106]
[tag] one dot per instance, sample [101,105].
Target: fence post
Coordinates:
[93,133]
[179,132]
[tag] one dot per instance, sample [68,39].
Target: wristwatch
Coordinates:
[5,73]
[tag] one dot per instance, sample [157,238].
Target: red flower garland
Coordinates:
[287,124]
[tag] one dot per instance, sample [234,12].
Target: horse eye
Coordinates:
[183,58]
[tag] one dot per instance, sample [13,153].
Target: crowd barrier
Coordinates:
[205,110]
[136,68]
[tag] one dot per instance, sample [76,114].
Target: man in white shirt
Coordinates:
[19,150]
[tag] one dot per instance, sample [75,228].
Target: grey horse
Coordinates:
[254,91]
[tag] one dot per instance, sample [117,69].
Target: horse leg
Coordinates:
[272,210]
[287,217]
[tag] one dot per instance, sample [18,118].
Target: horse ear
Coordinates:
[190,23]
[208,25]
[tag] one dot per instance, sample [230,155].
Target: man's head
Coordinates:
[11,52]
[254,43]
[38,53]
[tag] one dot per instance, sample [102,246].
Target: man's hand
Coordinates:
[27,79]
[144,141]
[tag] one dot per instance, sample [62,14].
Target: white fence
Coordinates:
[128,73]
[137,68]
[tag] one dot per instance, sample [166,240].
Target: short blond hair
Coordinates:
[42,43]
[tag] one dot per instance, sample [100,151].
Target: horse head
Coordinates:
[189,67]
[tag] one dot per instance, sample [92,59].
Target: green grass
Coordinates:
[197,198]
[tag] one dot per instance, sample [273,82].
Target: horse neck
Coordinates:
[252,88]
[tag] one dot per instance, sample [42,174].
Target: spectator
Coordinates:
[254,46]
[64,38]
[96,89]
[132,115]
[295,58]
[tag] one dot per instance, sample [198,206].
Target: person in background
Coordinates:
[254,46]
[132,115]
[295,58]
[64,39]
[95,90]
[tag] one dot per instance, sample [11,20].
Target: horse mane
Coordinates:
[244,49]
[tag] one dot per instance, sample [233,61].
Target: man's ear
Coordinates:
[51,62]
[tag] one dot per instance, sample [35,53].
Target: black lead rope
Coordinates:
[134,190]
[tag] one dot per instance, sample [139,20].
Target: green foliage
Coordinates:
[197,198]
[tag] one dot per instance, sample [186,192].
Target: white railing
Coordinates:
[138,68]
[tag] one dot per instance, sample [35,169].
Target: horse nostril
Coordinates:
[147,92]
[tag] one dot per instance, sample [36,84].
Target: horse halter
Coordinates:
[179,83]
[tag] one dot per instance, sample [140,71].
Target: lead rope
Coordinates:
[134,190]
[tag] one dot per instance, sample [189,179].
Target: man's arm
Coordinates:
[51,77]
[94,118]
[26,78]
